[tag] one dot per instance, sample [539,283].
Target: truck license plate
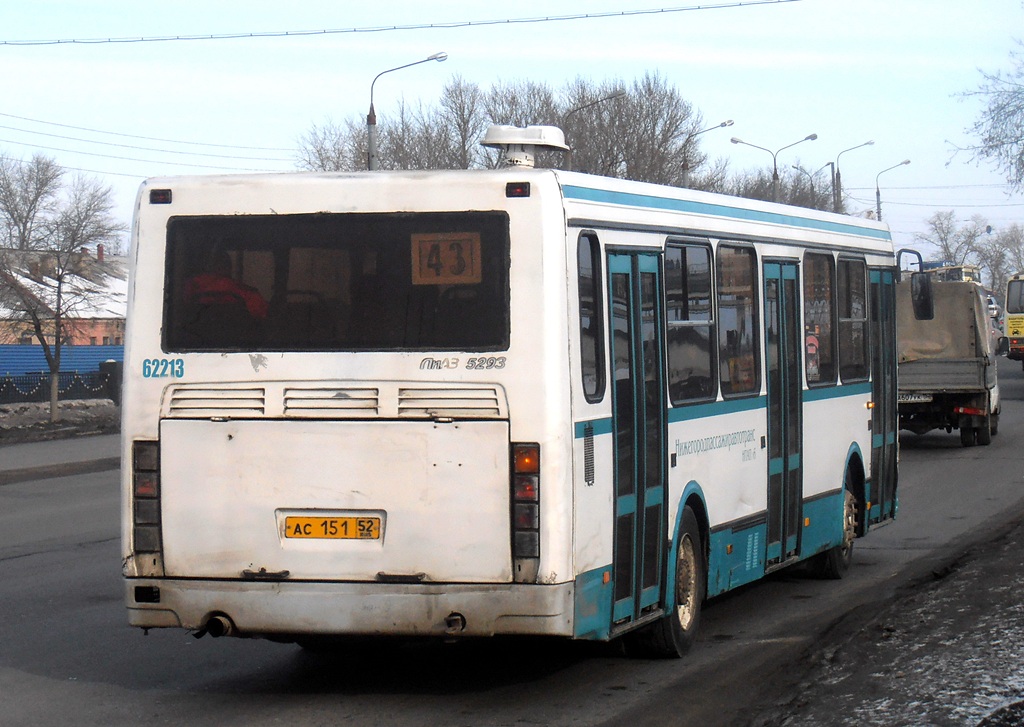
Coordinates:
[913,398]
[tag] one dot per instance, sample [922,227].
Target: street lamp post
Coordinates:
[371,117]
[837,187]
[775,163]
[878,193]
[565,117]
[810,177]
[686,159]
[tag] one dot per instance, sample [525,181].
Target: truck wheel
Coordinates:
[985,431]
[967,436]
[995,424]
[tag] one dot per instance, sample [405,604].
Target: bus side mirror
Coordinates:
[1003,346]
[921,295]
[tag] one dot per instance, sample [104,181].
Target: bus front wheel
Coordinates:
[673,635]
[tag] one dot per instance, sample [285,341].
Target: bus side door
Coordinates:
[884,417]
[639,428]
[784,348]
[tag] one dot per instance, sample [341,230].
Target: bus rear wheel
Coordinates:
[672,636]
[834,562]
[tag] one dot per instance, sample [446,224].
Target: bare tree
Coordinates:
[802,188]
[331,147]
[711,176]
[398,144]
[413,137]
[1000,125]
[591,117]
[1012,240]
[644,131]
[43,281]
[795,187]
[463,120]
[974,242]
[1000,255]
[994,260]
[28,192]
[755,184]
[521,104]
[659,130]
[954,242]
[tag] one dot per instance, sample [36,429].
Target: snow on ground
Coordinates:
[950,653]
[27,422]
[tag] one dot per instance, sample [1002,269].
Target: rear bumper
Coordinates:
[308,608]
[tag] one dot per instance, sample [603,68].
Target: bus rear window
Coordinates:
[336,282]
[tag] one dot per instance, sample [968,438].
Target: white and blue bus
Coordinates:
[511,401]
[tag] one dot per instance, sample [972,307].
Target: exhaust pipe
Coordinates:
[454,623]
[218,626]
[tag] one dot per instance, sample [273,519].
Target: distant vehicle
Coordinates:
[516,401]
[948,272]
[994,311]
[1013,316]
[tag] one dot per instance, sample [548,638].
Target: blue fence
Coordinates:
[18,360]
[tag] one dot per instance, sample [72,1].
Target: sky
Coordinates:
[891,71]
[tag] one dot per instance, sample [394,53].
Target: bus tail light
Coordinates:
[525,500]
[146,497]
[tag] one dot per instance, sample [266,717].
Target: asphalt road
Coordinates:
[67,655]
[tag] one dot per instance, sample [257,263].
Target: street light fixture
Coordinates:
[371,117]
[837,183]
[686,160]
[570,112]
[878,193]
[775,163]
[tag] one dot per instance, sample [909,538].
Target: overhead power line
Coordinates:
[144,148]
[144,138]
[78,169]
[999,185]
[897,203]
[131,159]
[388,28]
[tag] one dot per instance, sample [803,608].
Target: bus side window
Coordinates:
[588,256]
[738,361]
[853,320]
[690,323]
[819,317]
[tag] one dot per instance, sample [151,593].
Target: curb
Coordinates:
[46,472]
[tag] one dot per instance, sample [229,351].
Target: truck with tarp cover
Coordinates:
[947,363]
